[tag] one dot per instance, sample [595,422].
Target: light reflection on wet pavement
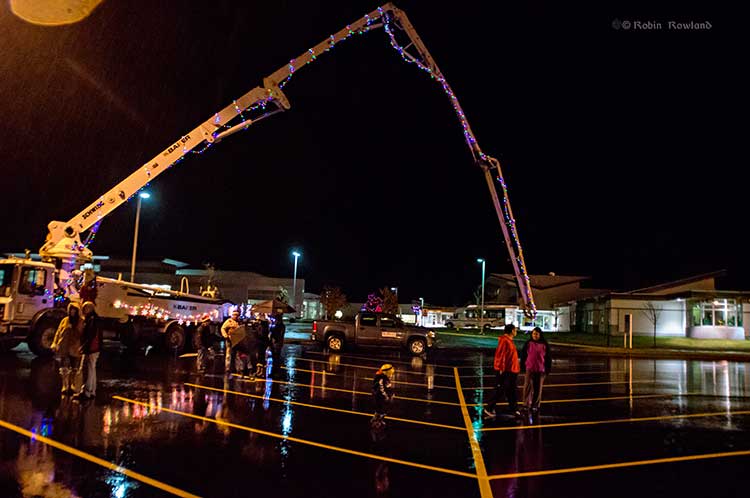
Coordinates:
[304,431]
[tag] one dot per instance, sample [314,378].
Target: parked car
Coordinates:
[373,329]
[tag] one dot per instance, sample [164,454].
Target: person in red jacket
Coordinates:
[507,367]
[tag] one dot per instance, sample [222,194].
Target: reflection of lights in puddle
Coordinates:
[119,484]
[53,12]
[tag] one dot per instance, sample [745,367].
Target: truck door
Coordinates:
[32,293]
[391,330]
[368,332]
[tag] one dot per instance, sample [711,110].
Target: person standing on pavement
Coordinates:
[67,345]
[229,325]
[382,393]
[277,336]
[506,367]
[205,338]
[91,343]
[263,340]
[537,362]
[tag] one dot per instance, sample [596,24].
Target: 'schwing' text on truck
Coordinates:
[373,329]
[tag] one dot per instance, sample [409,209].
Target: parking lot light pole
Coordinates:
[142,195]
[296,255]
[481,309]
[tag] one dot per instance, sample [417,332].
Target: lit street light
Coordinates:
[142,195]
[296,255]
[481,309]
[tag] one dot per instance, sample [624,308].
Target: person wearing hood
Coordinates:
[382,393]
[91,343]
[506,367]
[537,362]
[66,345]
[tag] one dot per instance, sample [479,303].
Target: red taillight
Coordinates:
[315,326]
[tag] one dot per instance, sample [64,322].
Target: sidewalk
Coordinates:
[453,339]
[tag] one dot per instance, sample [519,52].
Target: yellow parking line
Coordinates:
[476,451]
[370,378]
[300,441]
[363,393]
[319,407]
[635,463]
[104,463]
[401,371]
[616,421]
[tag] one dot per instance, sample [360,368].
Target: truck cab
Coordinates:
[26,288]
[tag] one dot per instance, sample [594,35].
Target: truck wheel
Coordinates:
[41,337]
[417,346]
[449,325]
[335,342]
[8,344]
[174,338]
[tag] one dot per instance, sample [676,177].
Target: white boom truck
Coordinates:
[28,289]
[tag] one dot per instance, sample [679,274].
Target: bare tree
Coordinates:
[653,313]
[333,299]
[390,301]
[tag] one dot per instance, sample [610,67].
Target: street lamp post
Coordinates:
[142,195]
[421,312]
[481,309]
[398,308]
[296,255]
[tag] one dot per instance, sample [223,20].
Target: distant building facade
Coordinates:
[690,307]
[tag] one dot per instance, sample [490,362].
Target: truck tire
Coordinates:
[174,338]
[335,342]
[41,336]
[417,346]
[449,325]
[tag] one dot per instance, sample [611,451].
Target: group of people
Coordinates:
[535,360]
[245,343]
[77,343]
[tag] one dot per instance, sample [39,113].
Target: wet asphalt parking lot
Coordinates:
[607,427]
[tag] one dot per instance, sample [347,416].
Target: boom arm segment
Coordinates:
[414,51]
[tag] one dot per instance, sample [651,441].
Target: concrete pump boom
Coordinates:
[64,243]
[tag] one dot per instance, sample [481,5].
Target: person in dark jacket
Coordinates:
[259,355]
[382,393]
[205,339]
[277,336]
[536,361]
[91,343]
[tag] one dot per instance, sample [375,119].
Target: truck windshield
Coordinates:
[6,276]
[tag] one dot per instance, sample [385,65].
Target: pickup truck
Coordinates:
[373,329]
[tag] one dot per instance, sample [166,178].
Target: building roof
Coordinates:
[543,281]
[678,283]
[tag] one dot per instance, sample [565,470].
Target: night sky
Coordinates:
[620,148]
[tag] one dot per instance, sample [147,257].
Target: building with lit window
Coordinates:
[690,307]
